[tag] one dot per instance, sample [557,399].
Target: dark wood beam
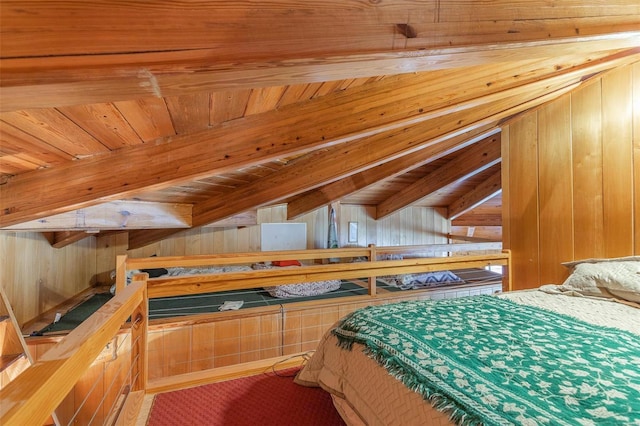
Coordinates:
[472,161]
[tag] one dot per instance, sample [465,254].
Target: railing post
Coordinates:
[139,330]
[121,272]
[372,280]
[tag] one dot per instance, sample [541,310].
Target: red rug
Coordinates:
[264,400]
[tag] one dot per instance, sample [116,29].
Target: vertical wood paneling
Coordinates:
[617,166]
[523,137]
[600,147]
[636,154]
[586,125]
[555,188]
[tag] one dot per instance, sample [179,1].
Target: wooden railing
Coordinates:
[33,396]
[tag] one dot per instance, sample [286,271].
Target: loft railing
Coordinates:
[34,395]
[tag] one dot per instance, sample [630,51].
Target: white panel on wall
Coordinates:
[283,236]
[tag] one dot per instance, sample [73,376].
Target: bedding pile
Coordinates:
[314,288]
[421,280]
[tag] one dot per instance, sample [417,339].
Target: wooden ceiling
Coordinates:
[156,116]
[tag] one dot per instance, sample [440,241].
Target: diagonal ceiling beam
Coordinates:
[334,191]
[477,196]
[50,81]
[252,196]
[472,161]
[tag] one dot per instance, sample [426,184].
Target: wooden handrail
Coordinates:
[34,395]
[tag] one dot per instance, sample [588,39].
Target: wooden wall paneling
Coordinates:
[292,336]
[250,339]
[311,328]
[617,165]
[227,348]
[202,350]
[149,117]
[177,350]
[271,336]
[586,126]
[555,189]
[636,154]
[523,203]
[155,354]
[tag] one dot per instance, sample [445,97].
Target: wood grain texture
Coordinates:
[588,208]
[617,165]
[555,184]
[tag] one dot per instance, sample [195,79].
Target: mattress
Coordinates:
[364,392]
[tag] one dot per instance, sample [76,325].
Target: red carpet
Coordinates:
[264,400]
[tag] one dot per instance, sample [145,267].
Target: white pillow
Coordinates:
[620,278]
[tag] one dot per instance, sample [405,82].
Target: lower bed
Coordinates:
[471,281]
[369,389]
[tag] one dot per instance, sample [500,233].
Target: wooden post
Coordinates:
[139,330]
[121,272]
[507,285]
[372,280]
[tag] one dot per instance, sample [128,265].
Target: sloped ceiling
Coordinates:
[156,116]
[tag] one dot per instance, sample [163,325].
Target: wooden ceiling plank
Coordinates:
[139,239]
[228,105]
[14,139]
[264,99]
[319,168]
[477,196]
[334,191]
[49,82]
[149,117]
[318,123]
[115,215]
[189,113]
[472,161]
[104,122]
[53,127]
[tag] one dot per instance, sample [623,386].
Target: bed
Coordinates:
[560,354]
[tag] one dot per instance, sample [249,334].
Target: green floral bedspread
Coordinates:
[494,362]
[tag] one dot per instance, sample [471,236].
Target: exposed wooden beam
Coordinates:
[49,81]
[242,219]
[114,215]
[443,146]
[478,195]
[472,161]
[65,238]
[319,123]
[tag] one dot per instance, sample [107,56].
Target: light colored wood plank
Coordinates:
[636,154]
[523,203]
[617,169]
[149,117]
[189,113]
[586,136]
[53,127]
[555,186]
[104,122]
